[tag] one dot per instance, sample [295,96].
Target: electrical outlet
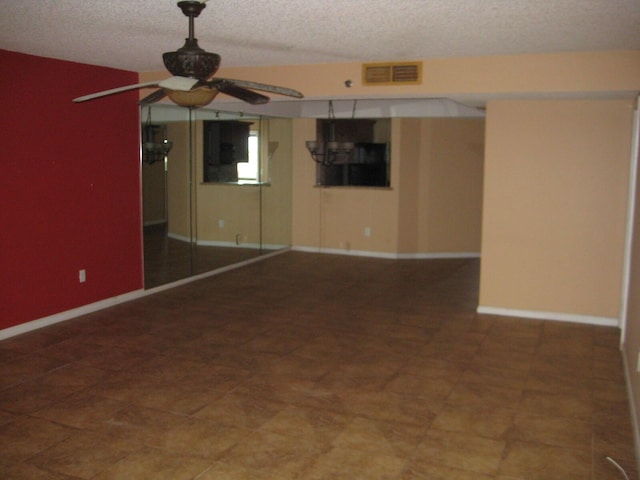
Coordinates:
[82,275]
[220,223]
[367,231]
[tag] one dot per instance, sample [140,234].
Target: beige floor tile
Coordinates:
[510,359]
[485,395]
[578,405]
[140,424]
[483,421]
[226,471]
[32,396]
[315,375]
[431,389]
[81,410]
[461,450]
[392,407]
[534,461]
[240,410]
[83,454]
[317,427]
[22,471]
[340,464]
[199,438]
[20,368]
[157,465]
[434,368]
[422,469]
[72,375]
[545,429]
[274,453]
[25,437]
[379,437]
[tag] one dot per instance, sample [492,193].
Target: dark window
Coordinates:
[368,163]
[225,144]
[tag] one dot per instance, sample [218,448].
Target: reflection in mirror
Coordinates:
[352,152]
[198,218]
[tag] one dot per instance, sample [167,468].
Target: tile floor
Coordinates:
[313,367]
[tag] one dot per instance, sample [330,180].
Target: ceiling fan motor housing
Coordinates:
[191,61]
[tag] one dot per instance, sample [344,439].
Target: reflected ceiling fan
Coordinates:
[192,83]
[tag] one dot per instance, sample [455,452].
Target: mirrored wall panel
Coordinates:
[216,190]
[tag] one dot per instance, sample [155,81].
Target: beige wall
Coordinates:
[237,206]
[276,196]
[555,199]
[178,180]
[497,75]
[434,203]
[450,177]
[406,148]
[227,214]
[515,76]
[335,218]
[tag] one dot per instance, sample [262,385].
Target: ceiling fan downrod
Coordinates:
[191,60]
[192,10]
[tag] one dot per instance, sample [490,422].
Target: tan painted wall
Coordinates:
[178,180]
[450,177]
[276,196]
[335,218]
[237,206]
[555,194]
[305,201]
[434,204]
[251,214]
[406,147]
[594,72]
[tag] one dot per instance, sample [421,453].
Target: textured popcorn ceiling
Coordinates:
[132,34]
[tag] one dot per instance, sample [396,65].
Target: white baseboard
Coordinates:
[175,236]
[391,255]
[69,314]
[435,256]
[256,246]
[540,315]
[219,243]
[118,299]
[150,223]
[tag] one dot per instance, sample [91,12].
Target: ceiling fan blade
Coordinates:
[289,92]
[153,97]
[112,91]
[174,83]
[229,88]
[182,84]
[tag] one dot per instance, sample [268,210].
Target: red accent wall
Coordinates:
[69,187]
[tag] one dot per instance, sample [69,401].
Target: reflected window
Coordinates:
[231,152]
[249,171]
[368,162]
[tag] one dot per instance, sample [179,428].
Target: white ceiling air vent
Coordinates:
[397,73]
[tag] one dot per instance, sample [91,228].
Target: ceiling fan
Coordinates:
[192,83]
